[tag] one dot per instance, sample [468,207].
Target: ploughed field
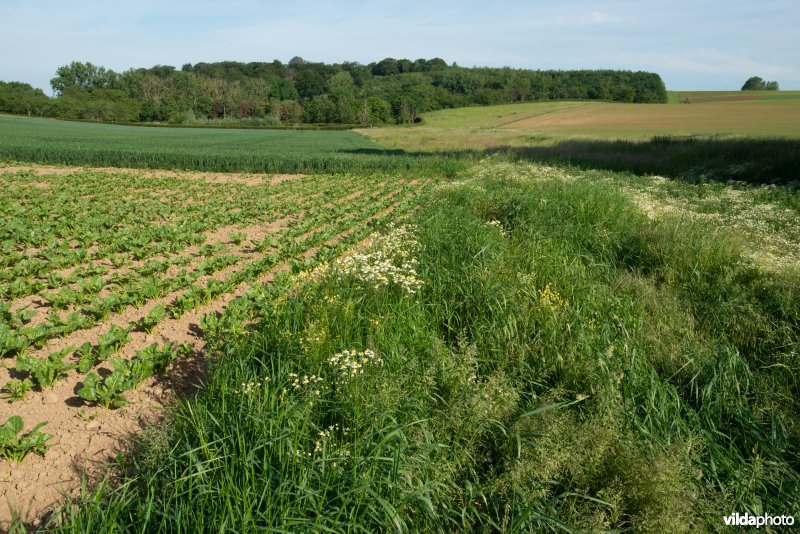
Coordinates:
[108,279]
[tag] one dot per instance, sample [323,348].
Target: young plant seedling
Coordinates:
[64,298]
[35,335]
[45,371]
[237,237]
[15,447]
[15,390]
[154,359]
[113,340]
[10,342]
[87,357]
[108,391]
[22,317]
[151,320]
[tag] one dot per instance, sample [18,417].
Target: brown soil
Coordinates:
[353,195]
[280,178]
[39,170]
[210,177]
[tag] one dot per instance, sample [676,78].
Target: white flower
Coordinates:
[389,261]
[350,363]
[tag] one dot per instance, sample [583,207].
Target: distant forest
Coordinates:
[273,94]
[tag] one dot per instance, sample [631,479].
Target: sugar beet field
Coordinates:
[415,344]
[114,272]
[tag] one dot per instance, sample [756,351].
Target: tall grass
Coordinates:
[566,364]
[696,159]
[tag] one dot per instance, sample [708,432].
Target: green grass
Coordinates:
[492,116]
[567,364]
[79,143]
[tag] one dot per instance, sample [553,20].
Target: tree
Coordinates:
[341,85]
[83,75]
[23,99]
[386,67]
[756,83]
[310,83]
[390,90]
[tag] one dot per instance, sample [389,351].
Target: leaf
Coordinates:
[16,447]
[12,427]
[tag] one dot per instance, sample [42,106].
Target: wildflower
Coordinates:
[390,261]
[248,388]
[499,226]
[306,384]
[350,363]
[551,299]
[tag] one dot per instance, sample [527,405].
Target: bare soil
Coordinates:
[210,177]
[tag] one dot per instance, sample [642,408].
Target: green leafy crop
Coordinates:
[45,371]
[107,392]
[151,320]
[15,390]
[15,447]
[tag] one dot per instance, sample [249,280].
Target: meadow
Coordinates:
[500,345]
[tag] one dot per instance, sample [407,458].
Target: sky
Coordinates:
[693,45]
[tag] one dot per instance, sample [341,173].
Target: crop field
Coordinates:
[732,96]
[721,135]
[99,145]
[486,339]
[107,277]
[542,123]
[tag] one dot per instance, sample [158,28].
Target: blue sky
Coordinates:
[702,45]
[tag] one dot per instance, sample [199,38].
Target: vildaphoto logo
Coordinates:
[758,521]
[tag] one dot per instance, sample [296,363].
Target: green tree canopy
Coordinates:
[22,99]
[83,75]
[756,83]
[391,90]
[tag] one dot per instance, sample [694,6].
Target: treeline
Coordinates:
[259,93]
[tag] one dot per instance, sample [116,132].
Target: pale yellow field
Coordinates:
[546,122]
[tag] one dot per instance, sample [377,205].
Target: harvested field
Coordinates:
[744,117]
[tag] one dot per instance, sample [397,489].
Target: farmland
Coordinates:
[98,266]
[79,143]
[707,114]
[722,135]
[458,339]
